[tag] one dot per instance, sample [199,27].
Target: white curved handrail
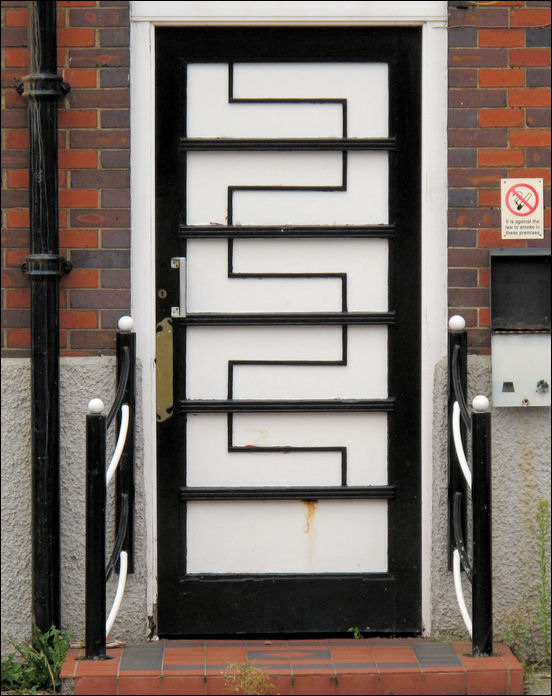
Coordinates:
[459,591]
[125,417]
[458,446]
[119,594]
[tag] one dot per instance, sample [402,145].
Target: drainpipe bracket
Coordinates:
[46,266]
[42,85]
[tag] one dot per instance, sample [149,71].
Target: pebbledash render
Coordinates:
[490,62]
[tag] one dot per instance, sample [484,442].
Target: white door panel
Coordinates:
[214,112]
[210,115]
[363,262]
[269,276]
[289,536]
[210,176]
[210,350]
[362,437]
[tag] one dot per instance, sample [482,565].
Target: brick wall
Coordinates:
[499,115]
[94,200]
[499,119]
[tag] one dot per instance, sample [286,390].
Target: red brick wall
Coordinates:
[499,120]
[94,199]
[499,99]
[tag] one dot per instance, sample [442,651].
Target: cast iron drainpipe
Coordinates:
[42,87]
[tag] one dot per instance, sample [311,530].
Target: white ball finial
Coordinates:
[457,323]
[96,406]
[481,404]
[126,323]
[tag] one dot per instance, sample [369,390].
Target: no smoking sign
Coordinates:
[521,208]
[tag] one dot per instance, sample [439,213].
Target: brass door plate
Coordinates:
[164,369]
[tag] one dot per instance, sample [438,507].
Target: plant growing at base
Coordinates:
[38,664]
[528,632]
[247,679]
[541,530]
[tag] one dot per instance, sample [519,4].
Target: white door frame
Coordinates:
[432,17]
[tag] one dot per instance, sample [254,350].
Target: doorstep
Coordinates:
[324,666]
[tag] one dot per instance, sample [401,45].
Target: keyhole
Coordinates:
[162,293]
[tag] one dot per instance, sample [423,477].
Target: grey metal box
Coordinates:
[520,361]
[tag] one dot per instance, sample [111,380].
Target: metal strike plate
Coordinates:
[164,369]
[179,262]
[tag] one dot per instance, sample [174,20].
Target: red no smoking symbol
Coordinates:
[522,200]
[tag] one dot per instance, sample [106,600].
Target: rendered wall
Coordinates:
[520,478]
[81,379]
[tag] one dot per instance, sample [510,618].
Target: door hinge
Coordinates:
[180,263]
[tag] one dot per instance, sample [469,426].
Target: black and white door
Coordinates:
[288,278]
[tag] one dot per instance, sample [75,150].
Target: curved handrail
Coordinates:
[121,533]
[457,384]
[122,555]
[123,430]
[119,594]
[458,538]
[458,445]
[477,480]
[123,378]
[460,591]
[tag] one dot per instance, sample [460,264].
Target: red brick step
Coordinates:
[338,666]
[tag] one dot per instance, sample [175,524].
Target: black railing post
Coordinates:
[126,341]
[95,531]
[482,590]
[457,362]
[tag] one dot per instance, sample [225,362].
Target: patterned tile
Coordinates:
[295,654]
[299,667]
[143,658]
[97,668]
[435,655]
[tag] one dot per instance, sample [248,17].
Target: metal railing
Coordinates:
[97,479]
[477,481]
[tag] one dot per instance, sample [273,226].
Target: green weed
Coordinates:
[541,529]
[528,632]
[356,632]
[36,665]
[247,679]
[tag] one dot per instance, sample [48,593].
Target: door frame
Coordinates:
[432,17]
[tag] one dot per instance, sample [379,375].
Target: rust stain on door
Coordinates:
[310,531]
[310,514]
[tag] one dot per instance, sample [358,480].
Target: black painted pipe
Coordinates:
[44,266]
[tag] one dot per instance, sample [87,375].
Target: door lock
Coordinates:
[179,262]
